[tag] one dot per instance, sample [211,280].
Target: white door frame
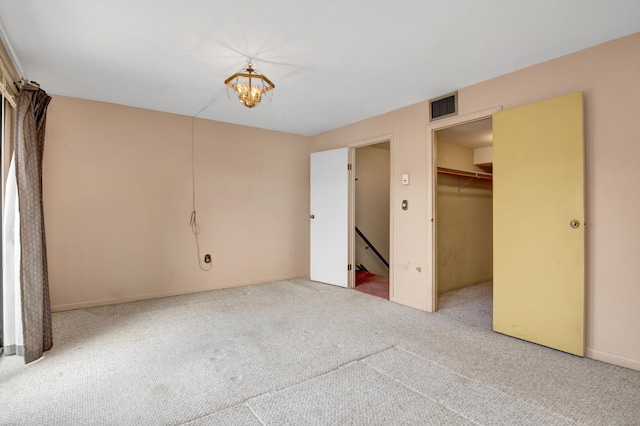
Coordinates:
[352,206]
[432,162]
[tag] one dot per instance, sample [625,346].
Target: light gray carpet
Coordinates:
[303,353]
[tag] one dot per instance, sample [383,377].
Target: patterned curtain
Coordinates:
[31,114]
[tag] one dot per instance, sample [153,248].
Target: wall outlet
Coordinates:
[207,258]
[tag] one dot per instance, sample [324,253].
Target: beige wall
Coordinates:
[608,76]
[372,206]
[464,224]
[406,127]
[117,200]
[457,157]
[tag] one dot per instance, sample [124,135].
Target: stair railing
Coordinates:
[368,243]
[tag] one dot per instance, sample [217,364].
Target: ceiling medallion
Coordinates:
[249,85]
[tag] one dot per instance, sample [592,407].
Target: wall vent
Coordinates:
[443,106]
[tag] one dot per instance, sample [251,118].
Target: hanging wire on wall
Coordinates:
[193,221]
[250,93]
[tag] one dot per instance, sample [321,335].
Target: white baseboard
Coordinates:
[157,295]
[409,303]
[609,358]
[621,361]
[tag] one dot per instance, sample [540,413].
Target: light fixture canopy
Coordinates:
[250,85]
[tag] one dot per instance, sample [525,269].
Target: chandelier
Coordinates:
[250,85]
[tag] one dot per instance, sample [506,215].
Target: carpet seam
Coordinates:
[276,390]
[510,395]
[422,394]
[344,364]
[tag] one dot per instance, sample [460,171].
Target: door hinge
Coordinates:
[349,166]
[349,267]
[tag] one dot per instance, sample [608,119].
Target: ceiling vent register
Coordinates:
[443,106]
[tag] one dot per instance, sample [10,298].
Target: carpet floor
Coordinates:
[302,353]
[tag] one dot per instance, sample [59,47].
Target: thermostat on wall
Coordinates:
[405,178]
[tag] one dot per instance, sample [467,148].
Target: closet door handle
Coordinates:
[574,224]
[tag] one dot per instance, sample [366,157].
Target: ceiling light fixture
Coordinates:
[250,85]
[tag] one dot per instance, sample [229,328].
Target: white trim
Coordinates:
[411,304]
[609,358]
[352,203]
[169,293]
[431,198]
[6,40]
[371,141]
[3,88]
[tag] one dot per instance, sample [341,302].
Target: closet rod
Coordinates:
[475,175]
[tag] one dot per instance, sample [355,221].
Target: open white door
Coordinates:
[330,217]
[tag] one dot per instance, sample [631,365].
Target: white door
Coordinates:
[329,216]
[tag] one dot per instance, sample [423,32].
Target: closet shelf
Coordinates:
[465,173]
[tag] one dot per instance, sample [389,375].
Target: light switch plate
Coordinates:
[405,178]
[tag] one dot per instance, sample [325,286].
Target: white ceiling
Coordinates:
[333,62]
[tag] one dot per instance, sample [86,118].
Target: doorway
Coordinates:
[371,218]
[463,207]
[538,211]
[345,196]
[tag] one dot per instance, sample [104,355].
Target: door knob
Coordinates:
[313,216]
[574,223]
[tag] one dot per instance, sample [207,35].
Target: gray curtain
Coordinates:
[31,112]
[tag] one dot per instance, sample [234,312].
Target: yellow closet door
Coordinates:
[538,223]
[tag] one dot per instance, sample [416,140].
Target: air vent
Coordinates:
[443,106]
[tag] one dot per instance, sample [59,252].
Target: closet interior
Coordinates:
[464,210]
